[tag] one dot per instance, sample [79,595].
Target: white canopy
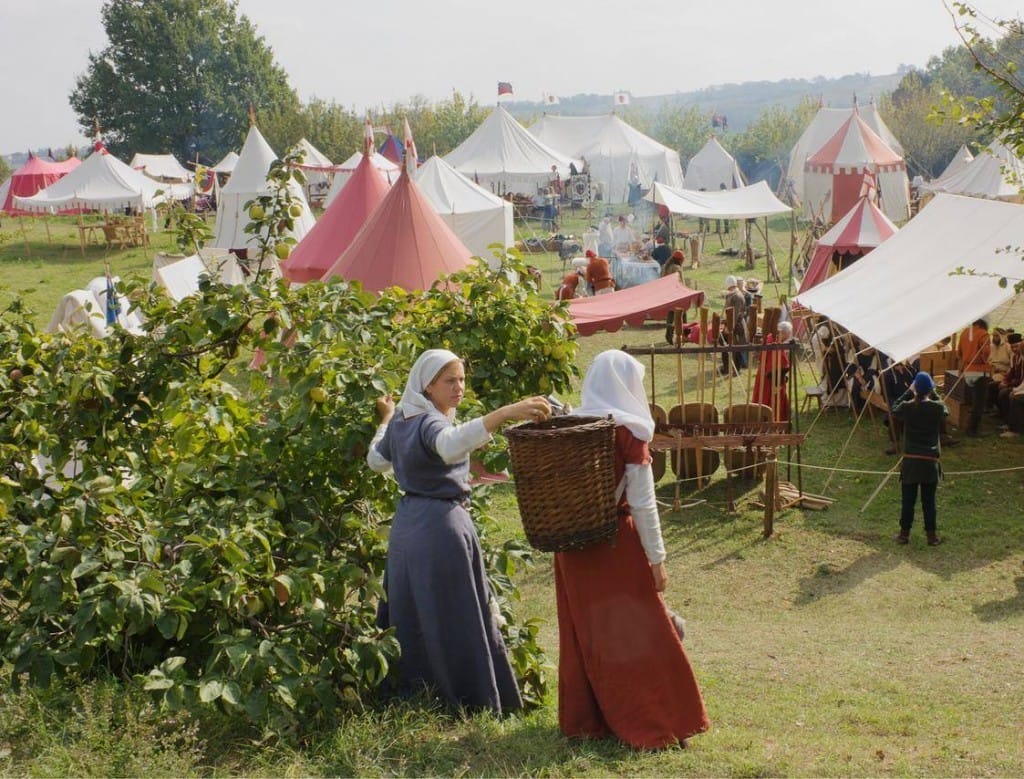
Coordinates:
[824,125]
[102,183]
[502,156]
[249,181]
[314,162]
[612,148]
[343,172]
[476,216]
[162,167]
[712,169]
[996,173]
[959,162]
[741,203]
[901,298]
[226,165]
[181,278]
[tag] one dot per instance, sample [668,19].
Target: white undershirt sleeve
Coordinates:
[374,458]
[644,508]
[455,442]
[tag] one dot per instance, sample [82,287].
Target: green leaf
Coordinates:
[210,690]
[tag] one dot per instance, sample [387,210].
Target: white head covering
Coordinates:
[614,385]
[426,367]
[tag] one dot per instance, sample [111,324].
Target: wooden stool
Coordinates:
[811,392]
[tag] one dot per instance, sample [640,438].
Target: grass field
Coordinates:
[826,650]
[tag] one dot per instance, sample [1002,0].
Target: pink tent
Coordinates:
[403,244]
[835,173]
[853,236]
[633,305]
[34,175]
[339,224]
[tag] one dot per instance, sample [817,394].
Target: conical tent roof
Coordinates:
[392,149]
[501,155]
[338,225]
[478,217]
[249,181]
[824,125]
[34,175]
[344,170]
[102,182]
[712,169]
[960,160]
[313,161]
[996,173]
[612,147]
[854,145]
[404,244]
[227,164]
[863,228]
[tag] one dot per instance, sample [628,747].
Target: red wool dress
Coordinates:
[764,392]
[622,669]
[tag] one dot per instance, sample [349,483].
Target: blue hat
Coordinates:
[923,383]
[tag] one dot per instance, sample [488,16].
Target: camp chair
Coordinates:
[684,462]
[115,234]
[750,464]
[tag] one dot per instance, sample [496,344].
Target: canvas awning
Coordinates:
[632,306]
[741,203]
[901,298]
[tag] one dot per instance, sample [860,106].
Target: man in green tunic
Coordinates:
[922,413]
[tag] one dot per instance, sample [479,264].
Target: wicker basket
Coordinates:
[564,472]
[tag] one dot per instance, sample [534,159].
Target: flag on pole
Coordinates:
[410,148]
[621,98]
[367,138]
[550,99]
[504,88]
[113,304]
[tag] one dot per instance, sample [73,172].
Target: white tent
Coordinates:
[748,202]
[161,167]
[996,173]
[249,181]
[712,169]
[476,216]
[181,278]
[87,308]
[343,172]
[612,149]
[102,183]
[313,164]
[226,165]
[824,125]
[502,156]
[959,162]
[900,298]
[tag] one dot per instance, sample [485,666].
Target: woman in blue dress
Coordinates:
[438,600]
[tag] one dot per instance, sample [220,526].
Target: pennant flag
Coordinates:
[367,138]
[621,98]
[410,148]
[550,99]
[504,88]
[113,304]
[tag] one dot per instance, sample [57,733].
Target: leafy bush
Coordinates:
[190,507]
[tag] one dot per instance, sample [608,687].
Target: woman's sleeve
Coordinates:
[454,442]
[642,502]
[379,455]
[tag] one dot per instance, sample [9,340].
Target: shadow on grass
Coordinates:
[996,610]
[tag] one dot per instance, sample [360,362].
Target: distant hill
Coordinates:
[740,103]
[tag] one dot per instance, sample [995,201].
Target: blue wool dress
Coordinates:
[437,591]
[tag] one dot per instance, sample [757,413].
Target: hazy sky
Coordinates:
[364,53]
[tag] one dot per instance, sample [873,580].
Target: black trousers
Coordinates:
[927,506]
[979,398]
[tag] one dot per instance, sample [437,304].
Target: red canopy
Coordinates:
[34,175]
[403,244]
[337,227]
[633,305]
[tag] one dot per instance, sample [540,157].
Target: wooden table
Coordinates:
[89,233]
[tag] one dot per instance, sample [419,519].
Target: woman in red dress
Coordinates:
[622,668]
[771,387]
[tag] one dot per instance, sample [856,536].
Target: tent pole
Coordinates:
[49,238]
[28,248]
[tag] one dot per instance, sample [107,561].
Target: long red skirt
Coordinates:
[622,669]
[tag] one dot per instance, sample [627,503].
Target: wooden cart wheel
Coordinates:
[658,458]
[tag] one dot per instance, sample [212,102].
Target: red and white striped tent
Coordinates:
[853,236]
[35,175]
[834,175]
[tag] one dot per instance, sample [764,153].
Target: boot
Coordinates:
[903,537]
[933,539]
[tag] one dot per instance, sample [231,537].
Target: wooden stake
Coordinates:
[771,493]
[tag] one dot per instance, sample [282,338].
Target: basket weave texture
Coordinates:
[564,471]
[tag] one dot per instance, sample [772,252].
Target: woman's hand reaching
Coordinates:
[385,408]
[535,409]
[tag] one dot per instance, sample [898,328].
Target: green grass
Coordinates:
[826,650]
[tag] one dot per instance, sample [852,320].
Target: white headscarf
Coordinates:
[614,385]
[426,367]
